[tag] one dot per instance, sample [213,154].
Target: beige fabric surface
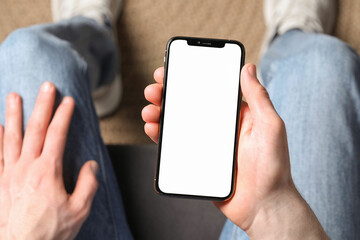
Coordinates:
[146,25]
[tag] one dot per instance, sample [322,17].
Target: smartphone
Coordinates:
[200,111]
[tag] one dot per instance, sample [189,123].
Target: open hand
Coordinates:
[33,200]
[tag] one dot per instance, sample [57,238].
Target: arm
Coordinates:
[33,200]
[286,216]
[266,203]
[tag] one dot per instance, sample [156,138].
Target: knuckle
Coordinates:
[76,207]
[36,127]
[261,91]
[84,212]
[50,160]
[13,137]
[77,211]
[278,125]
[56,130]
[273,124]
[52,164]
[81,209]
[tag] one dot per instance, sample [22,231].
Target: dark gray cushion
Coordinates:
[152,216]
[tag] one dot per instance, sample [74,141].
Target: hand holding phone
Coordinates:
[263,179]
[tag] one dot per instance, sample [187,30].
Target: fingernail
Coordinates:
[252,70]
[46,87]
[67,100]
[12,98]
[94,167]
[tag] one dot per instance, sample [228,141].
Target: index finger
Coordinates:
[159,75]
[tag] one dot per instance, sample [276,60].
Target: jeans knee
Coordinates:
[29,44]
[36,55]
[335,60]
[23,42]
[41,51]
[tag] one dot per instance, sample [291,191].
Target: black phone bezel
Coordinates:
[201,42]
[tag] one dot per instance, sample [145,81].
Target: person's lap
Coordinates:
[61,53]
[313,81]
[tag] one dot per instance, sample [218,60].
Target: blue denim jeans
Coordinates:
[312,80]
[314,83]
[76,55]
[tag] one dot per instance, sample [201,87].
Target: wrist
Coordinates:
[285,215]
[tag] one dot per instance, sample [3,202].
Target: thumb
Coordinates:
[255,94]
[245,119]
[85,188]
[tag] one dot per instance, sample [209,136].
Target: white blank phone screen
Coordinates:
[199,125]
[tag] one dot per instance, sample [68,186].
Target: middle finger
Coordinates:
[151,113]
[153,93]
[39,121]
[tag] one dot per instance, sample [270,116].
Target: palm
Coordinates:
[257,174]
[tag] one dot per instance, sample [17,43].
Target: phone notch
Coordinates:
[205,42]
